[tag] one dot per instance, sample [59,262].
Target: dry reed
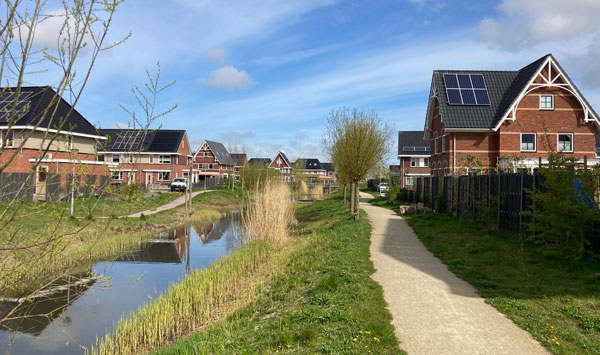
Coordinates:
[270,212]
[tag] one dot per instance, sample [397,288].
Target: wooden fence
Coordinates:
[494,200]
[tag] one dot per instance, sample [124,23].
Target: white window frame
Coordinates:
[534,142]
[414,162]
[551,102]
[119,158]
[116,175]
[210,167]
[205,154]
[409,181]
[151,158]
[435,144]
[70,142]
[9,142]
[162,159]
[162,174]
[443,144]
[425,162]
[558,142]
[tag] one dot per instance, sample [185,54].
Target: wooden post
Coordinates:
[539,162]
[585,162]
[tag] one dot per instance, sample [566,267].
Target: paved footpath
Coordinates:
[176,202]
[435,312]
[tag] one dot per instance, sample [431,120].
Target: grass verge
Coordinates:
[555,298]
[322,301]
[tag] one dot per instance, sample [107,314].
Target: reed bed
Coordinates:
[317,192]
[205,216]
[270,211]
[200,297]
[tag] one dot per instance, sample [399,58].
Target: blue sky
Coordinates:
[262,75]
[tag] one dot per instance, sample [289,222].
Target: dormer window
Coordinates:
[546,102]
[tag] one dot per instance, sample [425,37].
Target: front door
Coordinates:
[40,185]
[131,177]
[149,179]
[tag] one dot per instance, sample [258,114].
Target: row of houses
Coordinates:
[499,120]
[46,136]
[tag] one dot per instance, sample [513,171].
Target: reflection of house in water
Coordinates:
[209,232]
[166,247]
[34,314]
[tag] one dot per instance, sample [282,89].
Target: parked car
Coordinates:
[179,184]
[382,188]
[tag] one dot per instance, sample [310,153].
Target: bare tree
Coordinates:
[357,143]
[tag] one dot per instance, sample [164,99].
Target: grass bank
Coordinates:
[322,301]
[53,244]
[555,298]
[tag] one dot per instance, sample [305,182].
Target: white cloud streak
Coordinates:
[228,78]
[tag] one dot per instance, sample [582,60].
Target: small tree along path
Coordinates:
[435,312]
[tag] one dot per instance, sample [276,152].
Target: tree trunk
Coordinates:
[345,192]
[356,201]
[352,199]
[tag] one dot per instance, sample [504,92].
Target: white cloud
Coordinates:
[119,125]
[569,28]
[228,78]
[215,55]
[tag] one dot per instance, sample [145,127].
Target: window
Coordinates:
[70,142]
[546,102]
[210,166]
[100,157]
[565,142]
[278,161]
[10,139]
[205,154]
[164,159]
[443,144]
[409,180]
[151,159]
[528,142]
[131,158]
[164,176]
[117,158]
[117,175]
[435,144]
[419,162]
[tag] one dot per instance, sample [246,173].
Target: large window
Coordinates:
[117,175]
[565,142]
[164,159]
[528,142]
[10,139]
[164,176]
[117,158]
[419,162]
[546,102]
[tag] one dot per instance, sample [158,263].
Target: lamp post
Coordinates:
[74,151]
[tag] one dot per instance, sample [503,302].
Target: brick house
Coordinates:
[46,135]
[212,161]
[330,171]
[489,120]
[282,163]
[155,157]
[240,160]
[313,170]
[414,153]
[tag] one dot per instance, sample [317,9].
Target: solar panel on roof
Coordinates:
[466,89]
[450,81]
[7,102]
[482,97]
[454,97]
[128,140]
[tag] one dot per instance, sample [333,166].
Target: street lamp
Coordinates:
[74,151]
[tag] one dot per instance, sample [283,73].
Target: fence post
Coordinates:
[499,195]
[522,196]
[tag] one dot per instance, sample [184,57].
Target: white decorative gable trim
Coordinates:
[549,80]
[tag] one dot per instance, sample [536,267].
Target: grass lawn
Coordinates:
[322,301]
[555,298]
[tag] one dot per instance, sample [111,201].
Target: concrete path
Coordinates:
[435,312]
[176,202]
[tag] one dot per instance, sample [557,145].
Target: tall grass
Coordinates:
[270,213]
[202,296]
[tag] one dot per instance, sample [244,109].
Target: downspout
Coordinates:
[454,158]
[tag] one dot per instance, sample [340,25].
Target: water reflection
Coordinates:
[82,308]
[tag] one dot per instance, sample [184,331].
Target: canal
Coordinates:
[83,307]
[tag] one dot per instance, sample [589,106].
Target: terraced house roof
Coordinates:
[136,140]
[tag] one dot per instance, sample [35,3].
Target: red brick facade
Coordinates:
[207,165]
[501,147]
